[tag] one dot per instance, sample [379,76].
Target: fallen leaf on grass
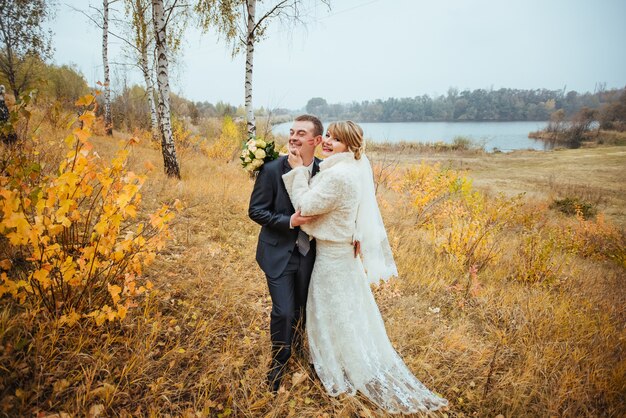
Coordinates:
[96,411]
[103,392]
[298,378]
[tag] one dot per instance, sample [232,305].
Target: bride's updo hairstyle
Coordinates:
[350,134]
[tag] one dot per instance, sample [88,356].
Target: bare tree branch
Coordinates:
[277,8]
[100,26]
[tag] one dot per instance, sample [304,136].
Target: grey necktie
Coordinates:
[303,242]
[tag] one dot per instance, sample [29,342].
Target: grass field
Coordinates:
[595,174]
[198,344]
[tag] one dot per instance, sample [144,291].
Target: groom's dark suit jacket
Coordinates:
[271,208]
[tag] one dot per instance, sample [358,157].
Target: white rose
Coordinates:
[260,154]
[247,159]
[250,168]
[260,143]
[257,163]
[250,142]
[252,148]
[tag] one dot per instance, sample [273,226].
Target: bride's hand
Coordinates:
[295,160]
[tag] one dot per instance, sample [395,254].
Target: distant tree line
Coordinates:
[467,105]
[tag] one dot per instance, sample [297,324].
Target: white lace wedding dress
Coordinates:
[349,346]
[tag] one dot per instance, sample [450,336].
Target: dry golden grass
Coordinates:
[198,345]
[595,174]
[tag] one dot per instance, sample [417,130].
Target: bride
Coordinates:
[349,346]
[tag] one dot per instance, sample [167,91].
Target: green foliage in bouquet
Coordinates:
[257,152]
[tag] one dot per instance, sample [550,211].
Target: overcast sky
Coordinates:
[370,49]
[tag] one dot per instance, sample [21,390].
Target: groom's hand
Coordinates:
[297,219]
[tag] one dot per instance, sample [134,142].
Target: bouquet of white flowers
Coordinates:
[257,152]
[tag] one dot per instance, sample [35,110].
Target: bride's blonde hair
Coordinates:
[350,134]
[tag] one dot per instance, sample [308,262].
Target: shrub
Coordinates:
[535,259]
[429,187]
[464,223]
[185,140]
[471,234]
[462,143]
[229,142]
[573,205]
[72,243]
[594,239]
[613,115]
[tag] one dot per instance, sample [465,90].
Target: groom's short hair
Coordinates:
[318,128]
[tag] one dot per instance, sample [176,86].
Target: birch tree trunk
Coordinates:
[167,139]
[108,123]
[225,16]
[145,69]
[142,42]
[251,123]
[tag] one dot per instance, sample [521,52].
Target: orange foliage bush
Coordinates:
[429,188]
[72,243]
[464,224]
[595,239]
[228,144]
[536,258]
[184,139]
[471,233]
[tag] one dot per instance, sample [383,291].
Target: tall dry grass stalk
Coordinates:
[198,343]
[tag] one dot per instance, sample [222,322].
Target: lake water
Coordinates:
[504,136]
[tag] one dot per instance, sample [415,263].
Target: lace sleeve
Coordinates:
[321,197]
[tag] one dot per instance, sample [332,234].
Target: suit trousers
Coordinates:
[289,293]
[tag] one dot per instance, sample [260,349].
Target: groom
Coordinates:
[284,252]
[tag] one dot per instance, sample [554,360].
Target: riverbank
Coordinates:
[589,139]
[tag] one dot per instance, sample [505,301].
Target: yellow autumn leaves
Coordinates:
[228,144]
[75,244]
[474,230]
[462,222]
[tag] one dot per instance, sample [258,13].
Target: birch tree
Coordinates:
[239,21]
[250,28]
[137,34]
[167,139]
[108,122]
[102,20]
[142,41]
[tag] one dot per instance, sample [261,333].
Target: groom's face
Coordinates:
[302,137]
